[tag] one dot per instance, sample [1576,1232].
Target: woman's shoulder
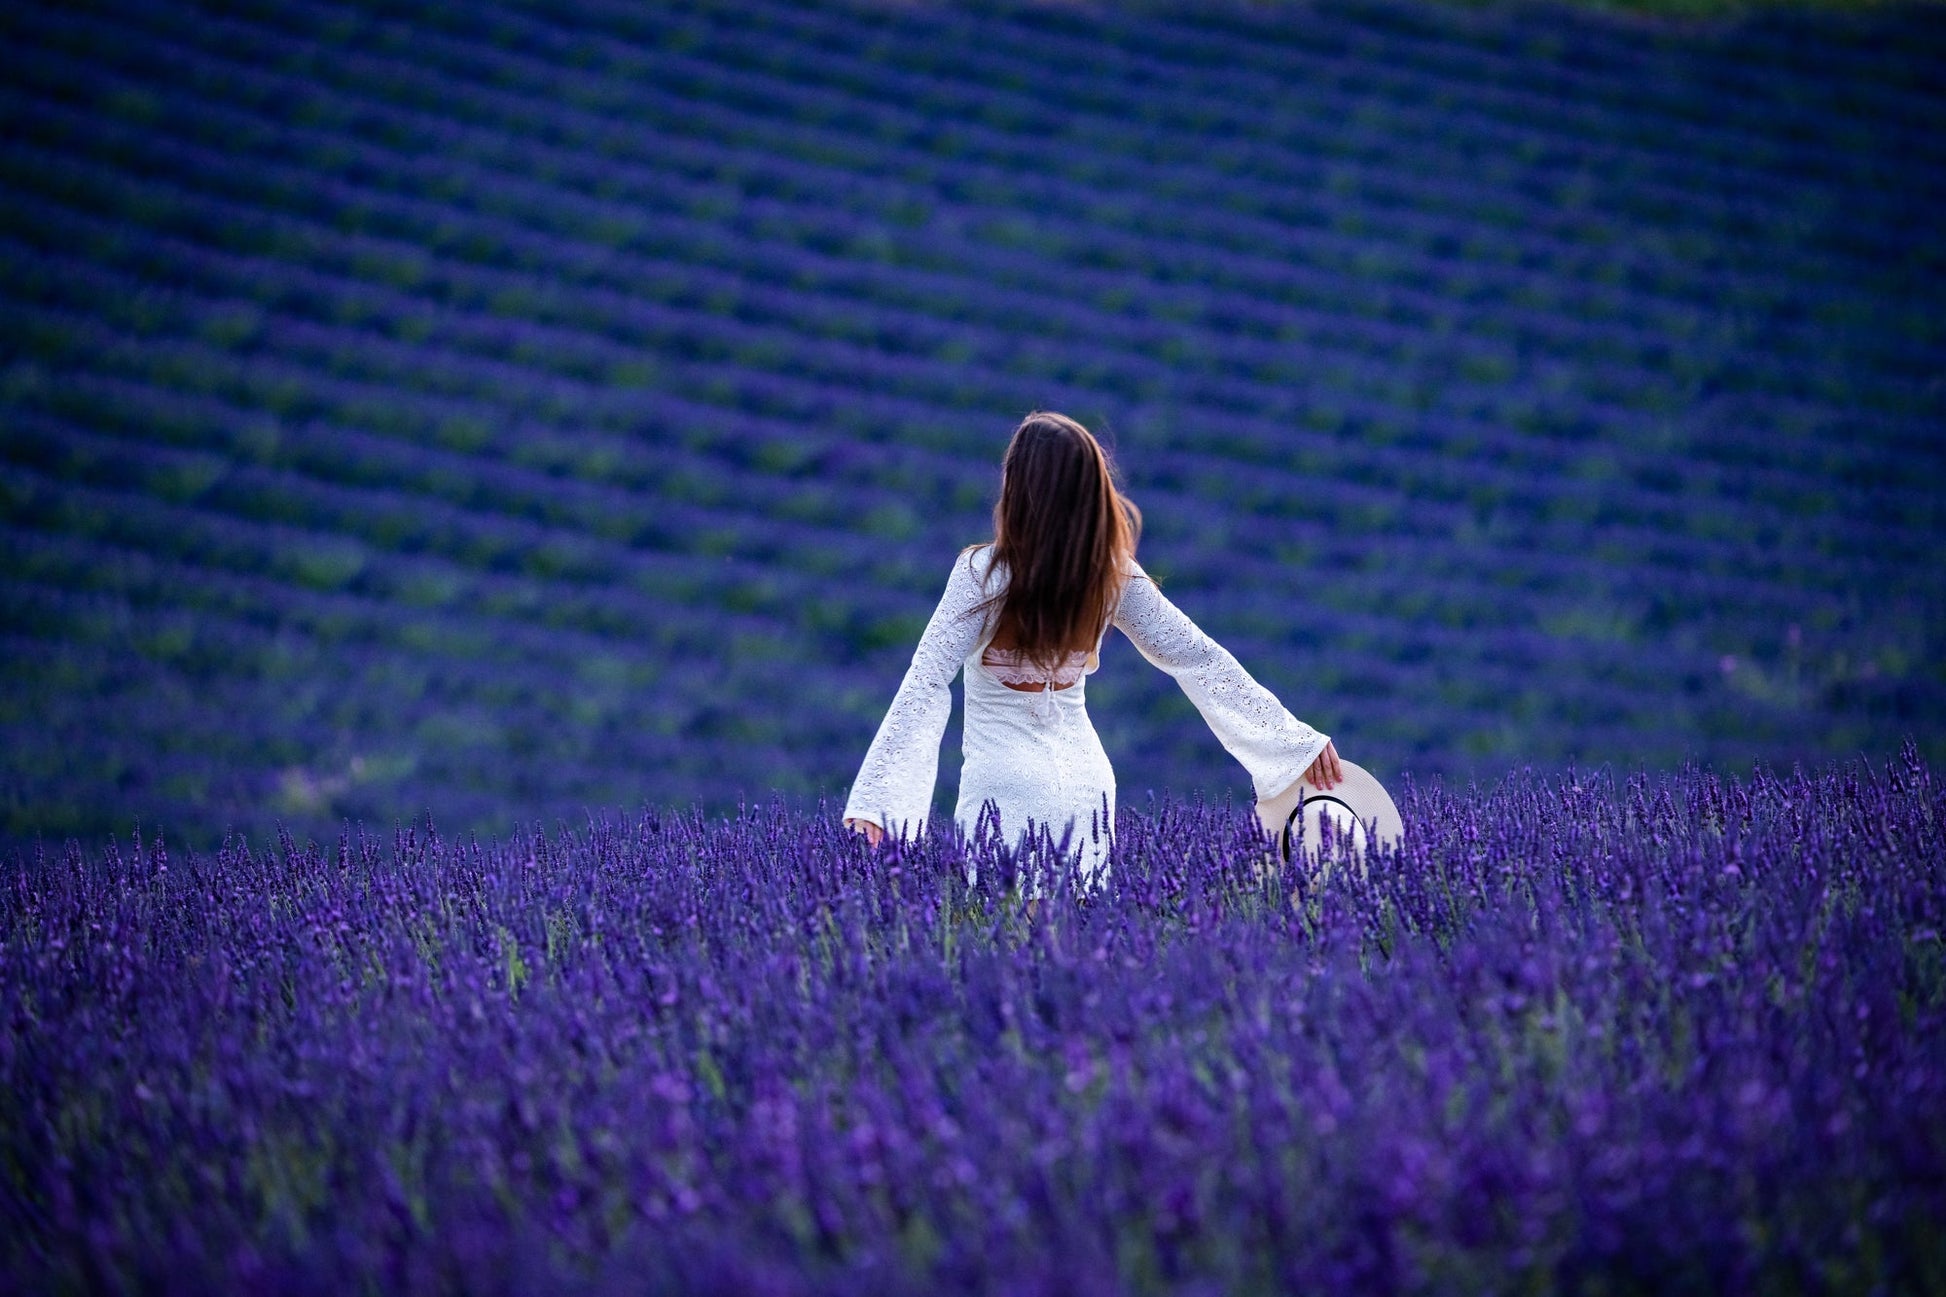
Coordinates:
[1133,577]
[977,559]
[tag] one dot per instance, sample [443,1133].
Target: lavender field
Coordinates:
[472,476]
[511,411]
[1680,1034]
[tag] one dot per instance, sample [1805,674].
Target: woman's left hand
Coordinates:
[1324,771]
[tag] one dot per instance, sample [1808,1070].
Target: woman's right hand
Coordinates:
[1325,772]
[873,833]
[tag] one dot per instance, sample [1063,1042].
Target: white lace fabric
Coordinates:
[1012,668]
[1035,757]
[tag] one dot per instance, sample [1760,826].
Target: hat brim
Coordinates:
[1359,795]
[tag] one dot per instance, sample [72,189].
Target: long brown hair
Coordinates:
[1067,536]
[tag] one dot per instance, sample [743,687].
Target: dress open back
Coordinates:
[1032,759]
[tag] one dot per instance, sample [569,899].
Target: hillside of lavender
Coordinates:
[1581,1034]
[518,412]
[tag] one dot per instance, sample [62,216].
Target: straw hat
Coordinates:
[1358,806]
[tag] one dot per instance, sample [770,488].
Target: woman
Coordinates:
[1025,616]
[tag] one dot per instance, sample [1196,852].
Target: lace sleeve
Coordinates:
[894,786]
[1273,745]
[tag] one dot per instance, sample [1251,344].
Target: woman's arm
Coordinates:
[893,791]
[1274,746]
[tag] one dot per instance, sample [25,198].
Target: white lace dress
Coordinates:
[1034,758]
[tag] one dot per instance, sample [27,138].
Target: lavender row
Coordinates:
[544,257]
[341,538]
[374,304]
[1297,487]
[361,109]
[1585,1031]
[419,499]
[1289,492]
[292,287]
[466,510]
[1544,330]
[1178,520]
[1393,693]
[1623,386]
[334,739]
[1724,105]
[311,539]
[246,527]
[198,582]
[208,701]
[735,105]
[877,100]
[1577,71]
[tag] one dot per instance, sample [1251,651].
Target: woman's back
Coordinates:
[1033,762]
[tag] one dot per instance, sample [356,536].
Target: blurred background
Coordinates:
[512,411]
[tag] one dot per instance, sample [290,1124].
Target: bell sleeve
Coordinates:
[894,785]
[1273,745]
